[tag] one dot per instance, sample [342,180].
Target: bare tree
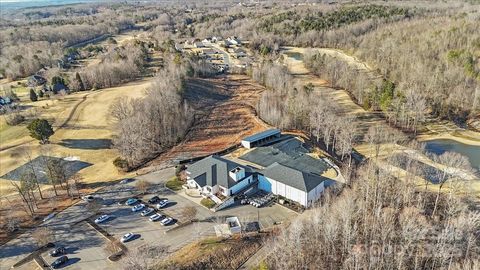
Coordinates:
[456,165]
[43,236]
[112,247]
[143,186]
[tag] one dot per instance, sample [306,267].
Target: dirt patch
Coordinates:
[225,113]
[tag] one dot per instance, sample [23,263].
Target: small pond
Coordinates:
[443,145]
[295,55]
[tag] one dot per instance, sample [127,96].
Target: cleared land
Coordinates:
[225,113]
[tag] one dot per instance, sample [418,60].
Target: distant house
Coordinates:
[207,42]
[57,87]
[216,39]
[199,44]
[209,52]
[189,44]
[5,101]
[179,47]
[36,80]
[238,53]
[233,40]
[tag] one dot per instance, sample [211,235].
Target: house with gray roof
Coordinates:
[219,176]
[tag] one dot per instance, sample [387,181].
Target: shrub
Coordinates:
[40,129]
[174,184]
[14,119]
[33,95]
[207,202]
[179,169]
[121,164]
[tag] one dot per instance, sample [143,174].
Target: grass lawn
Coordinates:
[207,202]
[85,136]
[174,184]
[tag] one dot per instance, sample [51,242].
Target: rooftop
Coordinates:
[290,153]
[292,177]
[214,170]
[261,135]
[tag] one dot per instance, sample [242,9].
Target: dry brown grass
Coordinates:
[88,124]
[214,253]
[220,122]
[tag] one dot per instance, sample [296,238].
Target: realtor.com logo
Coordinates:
[378,250]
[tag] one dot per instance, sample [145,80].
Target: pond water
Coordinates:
[441,146]
[295,55]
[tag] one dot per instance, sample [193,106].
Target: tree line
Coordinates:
[119,64]
[144,127]
[382,220]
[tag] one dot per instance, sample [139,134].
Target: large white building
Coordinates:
[282,169]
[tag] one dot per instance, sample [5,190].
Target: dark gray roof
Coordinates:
[293,177]
[291,153]
[214,170]
[261,135]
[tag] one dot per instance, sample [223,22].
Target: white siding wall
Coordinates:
[241,185]
[316,193]
[246,144]
[281,189]
[214,189]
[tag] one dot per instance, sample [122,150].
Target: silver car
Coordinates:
[101,219]
[147,211]
[138,207]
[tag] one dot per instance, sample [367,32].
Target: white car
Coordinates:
[162,203]
[147,211]
[156,217]
[166,221]
[127,237]
[88,198]
[102,219]
[138,207]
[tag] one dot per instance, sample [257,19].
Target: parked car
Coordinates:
[162,203]
[126,181]
[101,219]
[166,221]
[147,211]
[127,237]
[154,199]
[131,201]
[138,207]
[59,261]
[156,217]
[88,198]
[58,251]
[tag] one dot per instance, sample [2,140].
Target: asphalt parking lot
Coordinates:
[85,245]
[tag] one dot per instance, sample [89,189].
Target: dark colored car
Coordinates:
[58,251]
[154,199]
[59,261]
